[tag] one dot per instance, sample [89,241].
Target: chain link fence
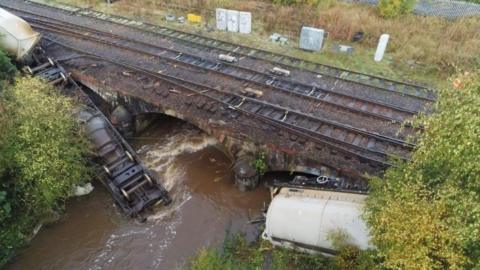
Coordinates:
[445,8]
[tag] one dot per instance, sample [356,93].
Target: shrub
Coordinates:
[425,213]
[41,159]
[238,254]
[394,8]
[7,69]
[260,164]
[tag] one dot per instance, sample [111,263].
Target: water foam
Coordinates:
[160,157]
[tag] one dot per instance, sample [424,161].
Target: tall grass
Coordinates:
[436,46]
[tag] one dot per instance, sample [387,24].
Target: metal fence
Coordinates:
[444,8]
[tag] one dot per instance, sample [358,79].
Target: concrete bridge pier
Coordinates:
[246,175]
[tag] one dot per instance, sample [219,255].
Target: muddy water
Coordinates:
[93,235]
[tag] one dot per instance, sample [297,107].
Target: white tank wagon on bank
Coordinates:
[309,220]
[17,38]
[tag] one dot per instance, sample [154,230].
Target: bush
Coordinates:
[237,254]
[425,213]
[41,159]
[7,69]
[394,8]
[260,164]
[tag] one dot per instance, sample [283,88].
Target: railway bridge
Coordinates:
[304,116]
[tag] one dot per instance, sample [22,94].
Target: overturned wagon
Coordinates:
[132,186]
[312,220]
[130,183]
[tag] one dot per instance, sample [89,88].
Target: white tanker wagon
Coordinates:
[17,38]
[312,220]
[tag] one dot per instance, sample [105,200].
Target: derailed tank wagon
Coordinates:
[131,184]
[301,217]
[310,219]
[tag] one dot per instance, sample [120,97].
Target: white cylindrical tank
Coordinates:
[308,219]
[17,38]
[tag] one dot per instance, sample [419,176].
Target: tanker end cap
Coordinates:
[309,219]
[17,38]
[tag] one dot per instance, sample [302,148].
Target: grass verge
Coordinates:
[422,49]
[236,253]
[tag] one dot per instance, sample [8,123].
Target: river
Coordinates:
[206,205]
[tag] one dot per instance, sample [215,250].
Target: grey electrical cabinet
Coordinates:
[311,39]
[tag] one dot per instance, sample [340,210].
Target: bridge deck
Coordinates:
[343,111]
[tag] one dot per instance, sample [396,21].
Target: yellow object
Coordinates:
[194,18]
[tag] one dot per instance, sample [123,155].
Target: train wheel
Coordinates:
[148,178]
[125,194]
[105,168]
[130,157]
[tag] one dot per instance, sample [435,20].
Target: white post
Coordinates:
[382,45]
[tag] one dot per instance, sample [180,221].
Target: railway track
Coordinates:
[379,83]
[278,111]
[373,147]
[370,146]
[357,105]
[385,112]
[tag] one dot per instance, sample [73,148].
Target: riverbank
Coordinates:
[236,253]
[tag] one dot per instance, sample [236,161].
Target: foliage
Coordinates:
[428,54]
[352,258]
[260,164]
[7,69]
[425,213]
[294,2]
[5,207]
[41,158]
[394,8]
[238,254]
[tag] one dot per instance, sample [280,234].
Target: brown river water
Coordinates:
[206,205]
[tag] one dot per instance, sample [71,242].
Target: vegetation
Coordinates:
[395,8]
[292,2]
[41,158]
[237,254]
[260,164]
[429,54]
[425,214]
[387,8]
[7,70]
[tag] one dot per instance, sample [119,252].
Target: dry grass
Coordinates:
[436,46]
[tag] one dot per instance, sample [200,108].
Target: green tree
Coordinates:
[42,157]
[425,214]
